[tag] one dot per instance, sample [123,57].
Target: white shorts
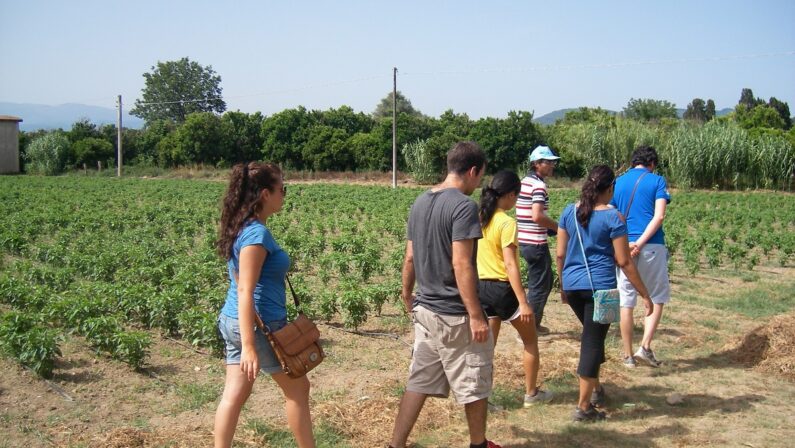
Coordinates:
[652,264]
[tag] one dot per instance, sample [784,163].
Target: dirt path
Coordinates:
[102,403]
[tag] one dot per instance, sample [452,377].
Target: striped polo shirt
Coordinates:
[534,191]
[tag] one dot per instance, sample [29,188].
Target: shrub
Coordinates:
[48,154]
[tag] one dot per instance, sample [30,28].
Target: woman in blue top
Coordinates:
[257,268]
[604,242]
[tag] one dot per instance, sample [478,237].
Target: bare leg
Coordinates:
[299,419]
[410,407]
[587,386]
[530,358]
[627,328]
[237,388]
[494,325]
[650,324]
[476,420]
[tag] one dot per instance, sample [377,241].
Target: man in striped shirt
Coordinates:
[534,226]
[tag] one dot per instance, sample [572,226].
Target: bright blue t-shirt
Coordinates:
[650,188]
[269,293]
[603,227]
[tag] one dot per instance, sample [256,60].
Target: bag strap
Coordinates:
[632,196]
[292,291]
[257,319]
[582,248]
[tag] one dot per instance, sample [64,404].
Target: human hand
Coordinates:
[480,328]
[634,250]
[648,305]
[526,315]
[249,363]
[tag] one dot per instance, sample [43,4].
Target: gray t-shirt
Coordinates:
[435,221]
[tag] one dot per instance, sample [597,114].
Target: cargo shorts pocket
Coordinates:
[454,331]
[479,372]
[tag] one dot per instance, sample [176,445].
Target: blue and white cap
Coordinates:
[542,152]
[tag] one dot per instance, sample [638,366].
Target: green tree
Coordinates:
[587,115]
[326,149]
[284,134]
[175,89]
[783,110]
[384,108]
[649,109]
[203,138]
[696,111]
[82,129]
[146,151]
[710,110]
[245,138]
[92,150]
[747,99]
[762,116]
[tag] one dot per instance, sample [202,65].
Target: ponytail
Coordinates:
[599,180]
[504,182]
[488,205]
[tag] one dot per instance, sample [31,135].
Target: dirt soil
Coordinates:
[735,375]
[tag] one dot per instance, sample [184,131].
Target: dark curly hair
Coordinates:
[644,155]
[242,200]
[599,180]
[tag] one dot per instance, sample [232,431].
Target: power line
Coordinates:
[271,93]
[598,66]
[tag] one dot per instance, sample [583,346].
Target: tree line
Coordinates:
[187,123]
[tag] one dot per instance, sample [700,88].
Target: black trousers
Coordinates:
[539,277]
[592,341]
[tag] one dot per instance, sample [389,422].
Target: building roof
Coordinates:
[10,118]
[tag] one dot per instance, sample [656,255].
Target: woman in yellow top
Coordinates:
[500,287]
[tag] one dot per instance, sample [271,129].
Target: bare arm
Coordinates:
[466,279]
[510,256]
[408,277]
[560,259]
[624,261]
[540,217]
[651,228]
[251,261]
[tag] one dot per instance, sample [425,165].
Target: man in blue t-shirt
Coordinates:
[642,197]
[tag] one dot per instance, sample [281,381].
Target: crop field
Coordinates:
[110,289]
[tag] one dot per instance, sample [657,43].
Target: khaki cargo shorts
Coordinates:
[446,359]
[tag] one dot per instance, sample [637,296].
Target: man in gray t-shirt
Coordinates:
[437,219]
[453,347]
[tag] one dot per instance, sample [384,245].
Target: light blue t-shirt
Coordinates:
[269,293]
[650,188]
[603,227]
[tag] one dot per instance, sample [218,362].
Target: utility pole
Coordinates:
[118,140]
[394,127]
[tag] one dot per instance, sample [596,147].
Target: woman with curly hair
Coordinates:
[257,268]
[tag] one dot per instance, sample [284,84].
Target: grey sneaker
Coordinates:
[541,396]
[647,356]
[591,415]
[598,397]
[542,330]
[629,362]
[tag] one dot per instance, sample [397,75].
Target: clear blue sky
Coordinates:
[477,57]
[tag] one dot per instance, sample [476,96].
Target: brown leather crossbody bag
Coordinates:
[297,345]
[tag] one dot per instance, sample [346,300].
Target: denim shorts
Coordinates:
[230,330]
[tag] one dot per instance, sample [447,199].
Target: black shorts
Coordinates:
[498,299]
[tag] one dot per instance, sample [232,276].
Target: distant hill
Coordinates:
[718,113]
[552,117]
[39,116]
[556,115]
